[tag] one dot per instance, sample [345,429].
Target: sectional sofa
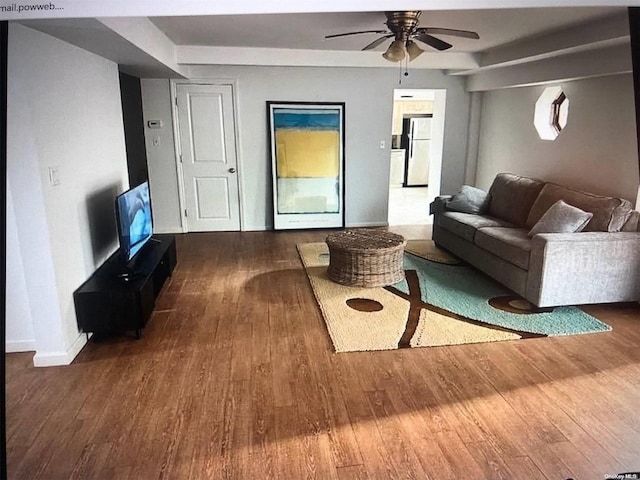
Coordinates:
[599,264]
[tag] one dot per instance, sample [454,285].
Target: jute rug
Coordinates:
[437,304]
[428,250]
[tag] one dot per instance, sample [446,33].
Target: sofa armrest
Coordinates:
[439,204]
[586,267]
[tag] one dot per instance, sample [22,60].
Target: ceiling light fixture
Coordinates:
[403,27]
[396,51]
[413,50]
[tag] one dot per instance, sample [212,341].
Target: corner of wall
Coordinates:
[473,141]
[54,359]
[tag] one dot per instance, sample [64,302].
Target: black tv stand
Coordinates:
[119,297]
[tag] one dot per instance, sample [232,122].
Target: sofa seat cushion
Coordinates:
[609,214]
[510,244]
[511,197]
[464,225]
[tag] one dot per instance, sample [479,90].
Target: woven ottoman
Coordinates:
[366,258]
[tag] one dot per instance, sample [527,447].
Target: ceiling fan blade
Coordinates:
[377,42]
[433,41]
[379,32]
[450,31]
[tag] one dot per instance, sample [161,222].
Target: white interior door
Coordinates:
[207,148]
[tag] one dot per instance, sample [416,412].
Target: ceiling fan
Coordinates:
[403,27]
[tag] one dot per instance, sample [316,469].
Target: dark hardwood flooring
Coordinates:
[235,377]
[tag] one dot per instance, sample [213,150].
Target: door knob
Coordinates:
[232,170]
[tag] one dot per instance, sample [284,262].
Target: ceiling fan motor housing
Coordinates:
[402,24]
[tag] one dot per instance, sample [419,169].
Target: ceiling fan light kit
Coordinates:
[403,28]
[396,51]
[413,50]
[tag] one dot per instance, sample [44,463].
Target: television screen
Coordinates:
[133,209]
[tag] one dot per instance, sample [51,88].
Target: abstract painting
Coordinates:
[307,164]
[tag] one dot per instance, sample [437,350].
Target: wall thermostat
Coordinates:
[154,123]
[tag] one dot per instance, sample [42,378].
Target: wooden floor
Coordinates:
[236,378]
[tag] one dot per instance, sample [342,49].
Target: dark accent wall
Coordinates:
[131,97]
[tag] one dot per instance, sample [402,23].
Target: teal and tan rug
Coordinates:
[437,304]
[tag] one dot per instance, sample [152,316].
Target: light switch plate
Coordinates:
[54,176]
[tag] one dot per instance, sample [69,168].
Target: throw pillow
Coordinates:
[469,200]
[561,218]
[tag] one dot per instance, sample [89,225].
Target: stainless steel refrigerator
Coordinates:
[418,151]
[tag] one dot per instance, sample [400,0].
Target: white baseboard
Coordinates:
[367,224]
[20,346]
[256,228]
[53,359]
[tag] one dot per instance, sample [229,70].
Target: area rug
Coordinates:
[428,250]
[437,304]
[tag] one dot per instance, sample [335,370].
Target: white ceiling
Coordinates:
[496,27]
[169,46]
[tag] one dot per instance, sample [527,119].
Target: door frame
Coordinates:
[233,83]
[437,145]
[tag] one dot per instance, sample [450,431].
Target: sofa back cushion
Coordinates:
[609,214]
[511,197]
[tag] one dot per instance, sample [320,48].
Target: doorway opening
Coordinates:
[416,154]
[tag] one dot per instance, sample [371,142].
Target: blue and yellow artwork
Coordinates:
[308,149]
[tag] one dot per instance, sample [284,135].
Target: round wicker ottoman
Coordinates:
[366,258]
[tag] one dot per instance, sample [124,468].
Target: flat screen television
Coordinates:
[133,216]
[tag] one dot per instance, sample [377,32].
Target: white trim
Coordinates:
[177,151]
[257,228]
[20,346]
[438,132]
[53,359]
[367,224]
[239,163]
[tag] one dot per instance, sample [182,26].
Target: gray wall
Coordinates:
[63,111]
[596,152]
[19,325]
[368,95]
[161,156]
